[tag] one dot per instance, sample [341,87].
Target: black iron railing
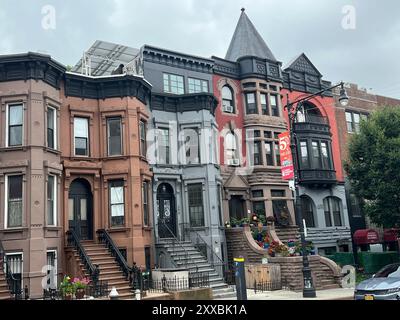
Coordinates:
[104,237]
[216,262]
[98,290]
[14,281]
[94,271]
[195,280]
[262,286]
[183,255]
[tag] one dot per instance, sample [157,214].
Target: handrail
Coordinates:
[198,236]
[104,237]
[175,240]
[11,280]
[74,241]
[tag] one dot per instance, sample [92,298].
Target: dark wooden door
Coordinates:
[80,209]
[166,211]
[236,207]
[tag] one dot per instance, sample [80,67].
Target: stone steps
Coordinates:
[190,257]
[109,269]
[4,291]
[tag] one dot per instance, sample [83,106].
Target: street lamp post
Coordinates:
[292,109]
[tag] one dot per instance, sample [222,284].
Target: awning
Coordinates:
[390,235]
[366,236]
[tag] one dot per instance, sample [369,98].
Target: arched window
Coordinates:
[231,149]
[307,209]
[308,112]
[333,211]
[228,104]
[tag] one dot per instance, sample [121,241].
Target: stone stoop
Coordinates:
[4,290]
[109,268]
[286,233]
[197,263]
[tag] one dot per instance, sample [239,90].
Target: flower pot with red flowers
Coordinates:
[80,286]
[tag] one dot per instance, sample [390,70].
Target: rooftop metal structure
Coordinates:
[102,58]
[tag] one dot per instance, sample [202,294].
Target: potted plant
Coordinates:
[245,221]
[270,220]
[234,222]
[80,286]
[67,288]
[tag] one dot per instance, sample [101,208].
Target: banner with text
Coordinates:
[286,156]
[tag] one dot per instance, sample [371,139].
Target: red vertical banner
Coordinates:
[286,156]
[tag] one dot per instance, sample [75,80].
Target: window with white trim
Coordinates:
[117,204]
[81,136]
[52,200]
[51,282]
[228,104]
[51,128]
[14,194]
[114,136]
[15,120]
[197,85]
[13,263]
[173,83]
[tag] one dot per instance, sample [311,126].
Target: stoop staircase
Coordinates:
[184,254]
[287,233]
[89,255]
[109,269]
[4,291]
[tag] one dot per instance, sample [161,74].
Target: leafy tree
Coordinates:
[373,166]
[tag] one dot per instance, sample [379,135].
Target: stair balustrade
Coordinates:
[93,269]
[132,274]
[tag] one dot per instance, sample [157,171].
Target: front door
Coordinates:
[236,207]
[80,209]
[166,211]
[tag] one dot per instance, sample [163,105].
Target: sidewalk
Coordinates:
[329,294]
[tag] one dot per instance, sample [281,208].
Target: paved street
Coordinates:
[330,294]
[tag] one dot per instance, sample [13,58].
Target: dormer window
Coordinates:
[227,100]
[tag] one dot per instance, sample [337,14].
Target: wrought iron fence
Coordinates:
[263,286]
[198,280]
[96,290]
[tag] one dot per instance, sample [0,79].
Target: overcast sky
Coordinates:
[366,52]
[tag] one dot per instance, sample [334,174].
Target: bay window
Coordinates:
[15,125]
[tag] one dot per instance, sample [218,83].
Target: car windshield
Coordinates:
[390,271]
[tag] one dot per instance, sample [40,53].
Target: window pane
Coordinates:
[277,154]
[274,105]
[163,146]
[316,155]
[145,192]
[268,154]
[308,211]
[325,156]
[50,118]
[15,187]
[251,103]
[192,146]
[143,146]
[327,212]
[15,115]
[281,212]
[114,136]
[278,193]
[70,209]
[195,197]
[15,138]
[50,200]
[117,195]
[264,106]
[257,153]
[81,127]
[14,208]
[257,193]
[259,208]
[81,147]
[83,204]
[304,154]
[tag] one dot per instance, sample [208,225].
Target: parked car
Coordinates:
[384,285]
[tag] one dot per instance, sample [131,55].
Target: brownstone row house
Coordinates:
[70,158]
[361,103]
